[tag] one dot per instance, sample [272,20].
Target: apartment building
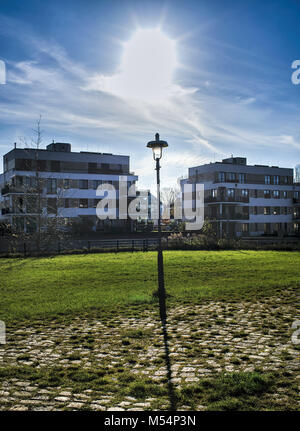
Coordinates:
[248,200]
[58,184]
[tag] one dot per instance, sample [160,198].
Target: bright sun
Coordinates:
[147,66]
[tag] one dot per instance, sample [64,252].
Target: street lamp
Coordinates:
[157,147]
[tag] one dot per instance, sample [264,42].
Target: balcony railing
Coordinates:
[243,199]
[19,190]
[5,211]
[237,216]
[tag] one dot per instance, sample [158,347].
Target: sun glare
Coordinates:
[147,66]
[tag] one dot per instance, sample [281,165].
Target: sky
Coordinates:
[212,77]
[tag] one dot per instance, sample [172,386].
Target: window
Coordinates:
[276,194]
[96,203]
[83,203]
[19,181]
[285,210]
[231,176]
[67,203]
[55,166]
[266,210]
[31,205]
[242,178]
[255,210]
[276,179]
[285,194]
[83,184]
[214,193]
[296,195]
[267,179]
[276,211]
[245,227]
[92,168]
[52,206]
[286,180]
[245,193]
[33,182]
[221,177]
[267,194]
[51,185]
[230,193]
[96,183]
[267,228]
[255,193]
[23,164]
[66,183]
[41,165]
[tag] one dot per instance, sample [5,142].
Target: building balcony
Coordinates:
[5,211]
[241,199]
[9,189]
[236,216]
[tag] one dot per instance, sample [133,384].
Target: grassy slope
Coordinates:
[45,287]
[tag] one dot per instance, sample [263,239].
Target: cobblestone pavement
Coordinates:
[204,341]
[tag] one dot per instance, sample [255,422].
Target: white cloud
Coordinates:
[200,125]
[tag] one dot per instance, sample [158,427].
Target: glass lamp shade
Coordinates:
[157,152]
[157,147]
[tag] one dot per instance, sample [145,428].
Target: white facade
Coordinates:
[68,182]
[246,200]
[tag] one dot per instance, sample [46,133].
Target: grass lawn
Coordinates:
[63,313]
[65,286]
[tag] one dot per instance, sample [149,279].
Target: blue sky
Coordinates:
[231,90]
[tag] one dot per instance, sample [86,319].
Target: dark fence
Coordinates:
[15,248]
[62,246]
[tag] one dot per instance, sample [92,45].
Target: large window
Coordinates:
[221,177]
[266,210]
[83,203]
[276,179]
[276,211]
[52,206]
[242,178]
[66,183]
[245,193]
[51,185]
[83,184]
[276,194]
[267,194]
[230,193]
[55,166]
[231,176]
[267,179]
[31,205]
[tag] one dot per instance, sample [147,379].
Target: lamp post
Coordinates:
[157,147]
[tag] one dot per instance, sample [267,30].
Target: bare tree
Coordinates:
[168,196]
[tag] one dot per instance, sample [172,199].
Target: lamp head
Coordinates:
[157,147]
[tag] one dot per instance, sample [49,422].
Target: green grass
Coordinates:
[49,287]
[225,391]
